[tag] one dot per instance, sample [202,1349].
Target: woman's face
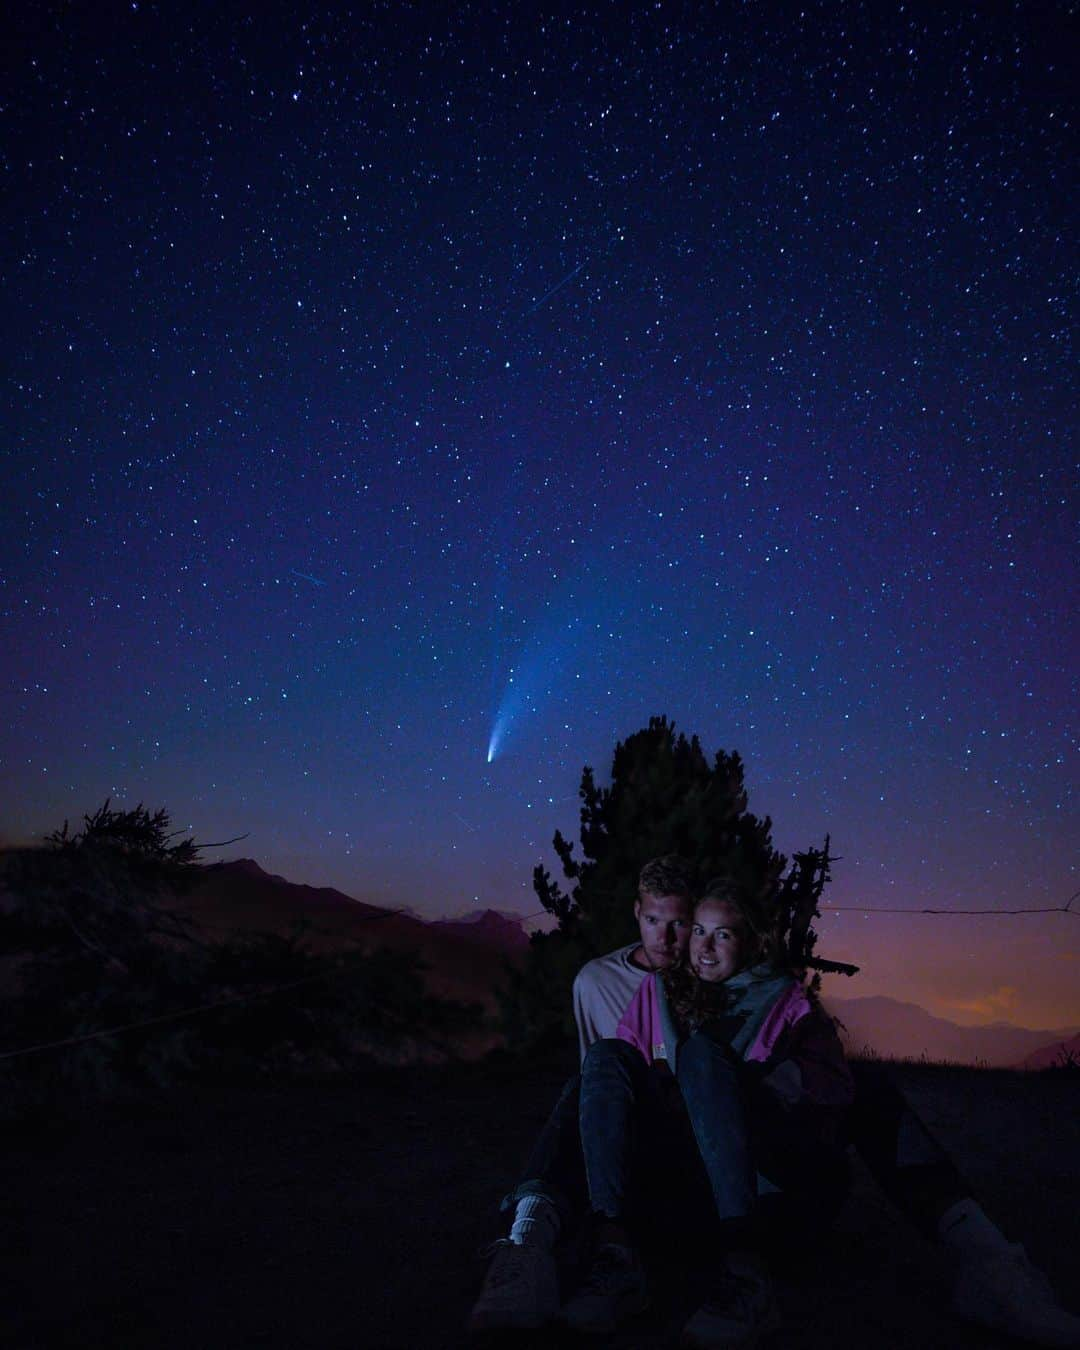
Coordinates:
[719,941]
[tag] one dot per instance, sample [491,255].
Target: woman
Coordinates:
[760,1069]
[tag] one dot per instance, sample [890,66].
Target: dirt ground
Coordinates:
[350,1215]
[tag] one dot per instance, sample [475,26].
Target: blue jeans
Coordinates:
[556,1168]
[921,1180]
[629,1123]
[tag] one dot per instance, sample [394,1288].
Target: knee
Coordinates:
[607,1059]
[700,1055]
[571,1090]
[606,1052]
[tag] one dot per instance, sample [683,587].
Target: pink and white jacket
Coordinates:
[802,1062]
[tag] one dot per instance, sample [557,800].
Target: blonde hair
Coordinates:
[670,875]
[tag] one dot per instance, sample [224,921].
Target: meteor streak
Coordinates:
[556,288]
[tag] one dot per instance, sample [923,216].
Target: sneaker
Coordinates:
[520,1290]
[740,1310]
[1004,1291]
[614,1290]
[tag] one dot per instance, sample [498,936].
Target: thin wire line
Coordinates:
[1066,908]
[886,909]
[882,909]
[343,969]
[162,1017]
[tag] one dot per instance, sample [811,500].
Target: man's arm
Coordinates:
[603,989]
[584,1009]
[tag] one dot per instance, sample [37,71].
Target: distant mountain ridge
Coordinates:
[249,869]
[1059,1053]
[492,925]
[893,1029]
[465,958]
[493,922]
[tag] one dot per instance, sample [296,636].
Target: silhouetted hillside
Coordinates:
[487,925]
[465,958]
[892,1029]
[1057,1054]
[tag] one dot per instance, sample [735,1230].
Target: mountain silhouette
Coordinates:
[1058,1053]
[464,958]
[893,1029]
[487,925]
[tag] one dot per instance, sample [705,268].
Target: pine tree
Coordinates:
[664,797]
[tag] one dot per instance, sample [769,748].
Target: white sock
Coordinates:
[536,1222]
[966,1225]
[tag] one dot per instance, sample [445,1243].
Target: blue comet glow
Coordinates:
[510,709]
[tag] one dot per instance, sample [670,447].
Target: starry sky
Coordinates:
[401,404]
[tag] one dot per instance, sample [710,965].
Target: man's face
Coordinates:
[664,923]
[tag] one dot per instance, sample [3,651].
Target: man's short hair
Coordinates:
[669,875]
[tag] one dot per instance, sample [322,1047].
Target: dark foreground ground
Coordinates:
[351,1214]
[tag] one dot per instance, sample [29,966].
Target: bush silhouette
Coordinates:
[106,984]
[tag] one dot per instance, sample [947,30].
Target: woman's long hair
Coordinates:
[693,1001]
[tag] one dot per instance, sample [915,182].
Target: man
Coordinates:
[996,1285]
[520,1289]
[604,987]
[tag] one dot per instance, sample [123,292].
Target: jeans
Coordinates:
[555,1168]
[907,1163]
[741,1131]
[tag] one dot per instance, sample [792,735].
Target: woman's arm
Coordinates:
[808,1066]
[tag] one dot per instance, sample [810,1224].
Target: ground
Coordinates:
[351,1214]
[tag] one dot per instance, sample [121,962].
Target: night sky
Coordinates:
[402,405]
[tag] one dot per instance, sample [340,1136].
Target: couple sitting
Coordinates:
[702,1054]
